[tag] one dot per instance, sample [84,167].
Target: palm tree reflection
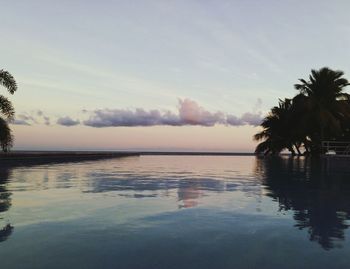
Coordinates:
[5,203]
[319,198]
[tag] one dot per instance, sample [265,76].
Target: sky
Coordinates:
[161,75]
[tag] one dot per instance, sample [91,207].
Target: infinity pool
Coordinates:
[155,212]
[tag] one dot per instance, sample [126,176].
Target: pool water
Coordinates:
[175,212]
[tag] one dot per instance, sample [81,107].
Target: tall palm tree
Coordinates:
[325,104]
[277,133]
[320,111]
[7,111]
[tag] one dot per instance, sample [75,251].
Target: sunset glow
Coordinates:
[126,75]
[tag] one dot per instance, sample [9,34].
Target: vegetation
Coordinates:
[320,111]
[7,111]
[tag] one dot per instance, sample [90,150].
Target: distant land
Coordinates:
[73,153]
[24,158]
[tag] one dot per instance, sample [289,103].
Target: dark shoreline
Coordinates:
[111,154]
[25,158]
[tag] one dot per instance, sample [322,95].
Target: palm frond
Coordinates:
[8,81]
[6,108]
[261,135]
[262,147]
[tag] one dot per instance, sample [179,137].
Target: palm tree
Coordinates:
[324,104]
[7,111]
[277,133]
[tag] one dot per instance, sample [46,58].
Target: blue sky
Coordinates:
[235,57]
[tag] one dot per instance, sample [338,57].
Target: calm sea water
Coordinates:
[175,212]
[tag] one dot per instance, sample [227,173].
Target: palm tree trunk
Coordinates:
[291,150]
[297,148]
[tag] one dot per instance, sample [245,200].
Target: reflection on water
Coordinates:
[6,232]
[238,200]
[319,199]
[5,203]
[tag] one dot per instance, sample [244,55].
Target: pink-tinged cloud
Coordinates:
[189,113]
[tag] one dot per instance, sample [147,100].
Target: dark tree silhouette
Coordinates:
[277,132]
[7,111]
[325,104]
[321,111]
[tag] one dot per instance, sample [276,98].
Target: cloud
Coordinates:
[233,120]
[27,117]
[247,118]
[67,121]
[24,119]
[139,117]
[46,120]
[251,118]
[33,117]
[189,113]
[20,122]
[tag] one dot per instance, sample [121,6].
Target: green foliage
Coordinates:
[7,111]
[320,111]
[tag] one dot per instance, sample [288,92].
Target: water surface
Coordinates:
[175,212]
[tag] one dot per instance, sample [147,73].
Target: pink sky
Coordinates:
[161,68]
[197,138]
